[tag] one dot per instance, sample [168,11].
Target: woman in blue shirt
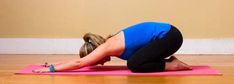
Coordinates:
[145,46]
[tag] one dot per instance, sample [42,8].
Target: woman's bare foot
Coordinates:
[174,64]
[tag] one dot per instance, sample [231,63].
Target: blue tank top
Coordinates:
[139,35]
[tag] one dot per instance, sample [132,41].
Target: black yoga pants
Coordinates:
[151,57]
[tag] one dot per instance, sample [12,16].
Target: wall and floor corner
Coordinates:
[56,26]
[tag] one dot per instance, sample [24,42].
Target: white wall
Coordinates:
[71,46]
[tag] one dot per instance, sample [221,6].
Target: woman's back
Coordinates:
[139,35]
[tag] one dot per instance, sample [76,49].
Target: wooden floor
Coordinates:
[11,63]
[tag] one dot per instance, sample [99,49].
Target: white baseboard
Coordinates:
[39,46]
[71,46]
[207,46]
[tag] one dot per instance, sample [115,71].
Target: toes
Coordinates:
[176,64]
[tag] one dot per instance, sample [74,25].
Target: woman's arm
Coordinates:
[99,53]
[114,46]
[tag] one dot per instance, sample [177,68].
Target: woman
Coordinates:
[145,46]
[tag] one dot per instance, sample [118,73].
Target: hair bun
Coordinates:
[92,41]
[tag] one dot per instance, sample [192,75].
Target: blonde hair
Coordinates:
[92,41]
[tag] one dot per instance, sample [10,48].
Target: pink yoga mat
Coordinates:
[123,70]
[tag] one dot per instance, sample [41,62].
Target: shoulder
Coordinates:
[115,44]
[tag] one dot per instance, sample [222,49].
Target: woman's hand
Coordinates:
[42,70]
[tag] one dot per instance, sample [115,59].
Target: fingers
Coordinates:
[39,71]
[44,70]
